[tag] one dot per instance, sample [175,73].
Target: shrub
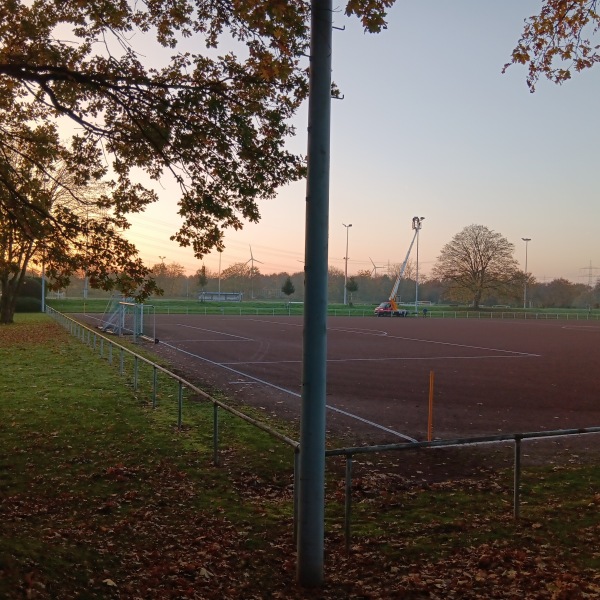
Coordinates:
[28,304]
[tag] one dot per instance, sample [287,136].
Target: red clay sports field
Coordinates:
[490,376]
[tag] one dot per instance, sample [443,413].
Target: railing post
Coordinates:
[517,478]
[121,369]
[180,406]
[135,373]
[154,385]
[216,434]
[348,502]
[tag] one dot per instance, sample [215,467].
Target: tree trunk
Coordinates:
[10,286]
[8,303]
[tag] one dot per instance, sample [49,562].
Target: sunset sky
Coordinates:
[430,127]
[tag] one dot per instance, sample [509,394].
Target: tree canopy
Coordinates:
[113,86]
[558,41]
[111,90]
[475,263]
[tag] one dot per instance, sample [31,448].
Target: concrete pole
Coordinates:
[311,502]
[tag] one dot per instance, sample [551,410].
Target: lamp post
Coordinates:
[220,275]
[417,224]
[526,240]
[346,267]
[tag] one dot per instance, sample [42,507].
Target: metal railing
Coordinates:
[104,344]
[101,343]
[516,438]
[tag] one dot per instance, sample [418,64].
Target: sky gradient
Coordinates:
[430,127]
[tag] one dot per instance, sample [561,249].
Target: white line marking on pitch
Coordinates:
[203,340]
[343,360]
[286,391]
[409,339]
[245,339]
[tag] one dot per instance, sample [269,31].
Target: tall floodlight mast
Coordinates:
[311,471]
[416,225]
[346,266]
[526,240]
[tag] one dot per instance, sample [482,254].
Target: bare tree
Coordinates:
[475,263]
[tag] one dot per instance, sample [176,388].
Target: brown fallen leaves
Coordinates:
[149,539]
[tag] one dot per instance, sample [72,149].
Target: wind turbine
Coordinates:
[374,270]
[252,260]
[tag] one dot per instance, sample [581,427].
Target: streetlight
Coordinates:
[526,240]
[346,268]
[417,224]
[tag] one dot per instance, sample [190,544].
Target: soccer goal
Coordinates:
[125,317]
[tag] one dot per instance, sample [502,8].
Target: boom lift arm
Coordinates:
[391,307]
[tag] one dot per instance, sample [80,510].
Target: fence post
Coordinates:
[517,481]
[121,361]
[154,385]
[216,434]
[180,406]
[348,502]
[135,373]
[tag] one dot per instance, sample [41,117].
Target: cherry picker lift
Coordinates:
[390,307]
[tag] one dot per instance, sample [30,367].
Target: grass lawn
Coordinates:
[102,496]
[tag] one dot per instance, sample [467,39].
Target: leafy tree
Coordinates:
[213,121]
[475,263]
[216,125]
[364,273]
[558,293]
[288,287]
[558,41]
[50,210]
[202,277]
[167,276]
[351,286]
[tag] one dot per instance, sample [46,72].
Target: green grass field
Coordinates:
[102,496]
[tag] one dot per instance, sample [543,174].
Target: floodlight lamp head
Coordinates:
[526,239]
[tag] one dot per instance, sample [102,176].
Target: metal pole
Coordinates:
[346,266]
[219,276]
[417,224]
[216,434]
[296,491]
[180,406]
[417,277]
[311,531]
[154,385]
[348,502]
[526,240]
[517,480]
